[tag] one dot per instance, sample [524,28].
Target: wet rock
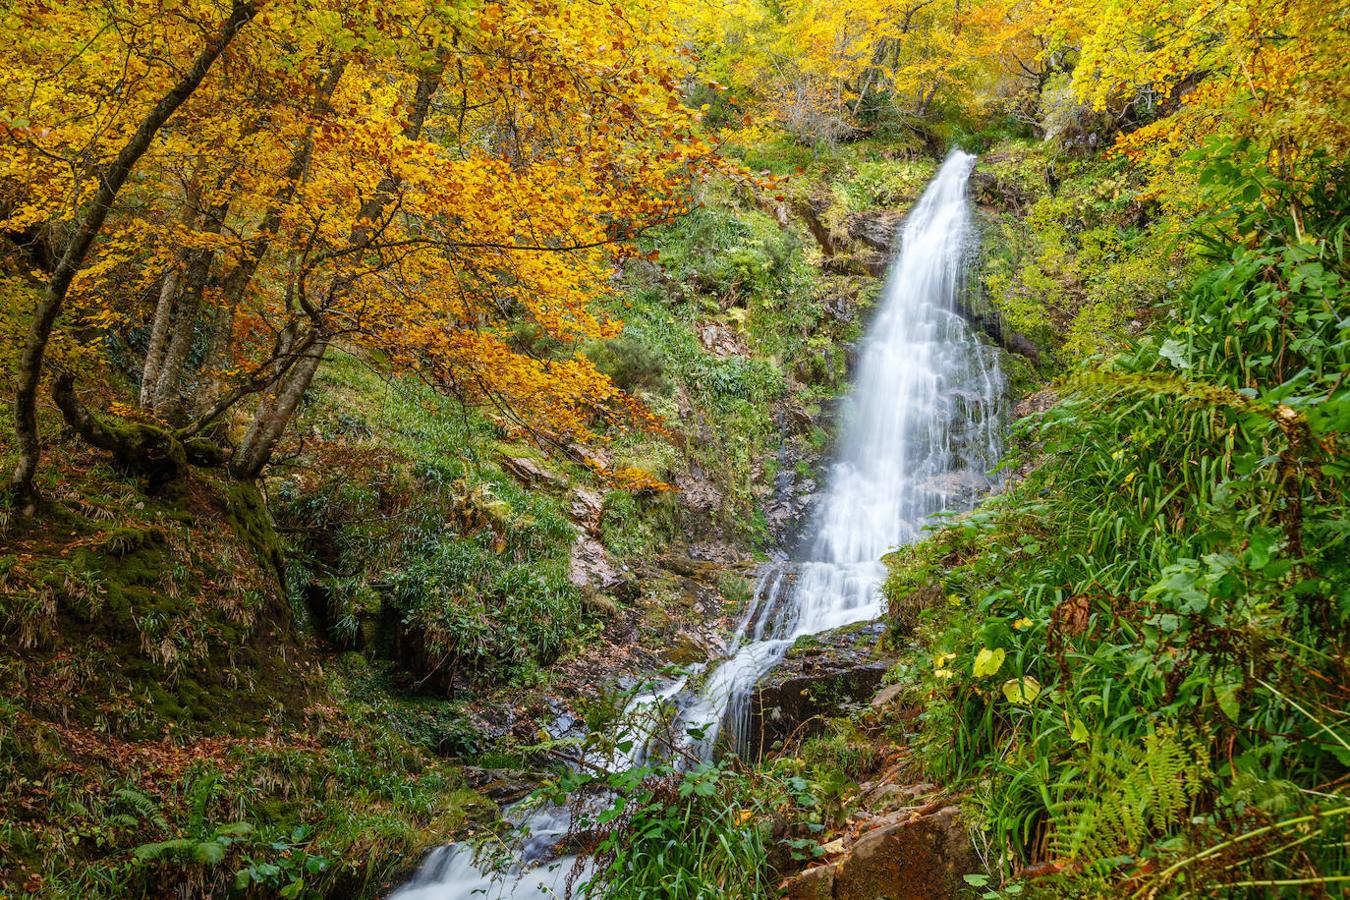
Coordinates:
[821,677]
[691,647]
[919,855]
[499,785]
[877,228]
[960,488]
[887,695]
[590,567]
[841,305]
[586,508]
[700,570]
[529,472]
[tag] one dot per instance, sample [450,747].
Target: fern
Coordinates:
[144,808]
[1127,794]
[199,842]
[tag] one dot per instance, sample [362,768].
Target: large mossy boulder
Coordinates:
[821,677]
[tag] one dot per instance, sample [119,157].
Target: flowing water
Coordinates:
[920,431]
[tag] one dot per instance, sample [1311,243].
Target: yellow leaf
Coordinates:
[988,662]
[1021,690]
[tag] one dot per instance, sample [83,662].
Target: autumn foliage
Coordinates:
[411,181]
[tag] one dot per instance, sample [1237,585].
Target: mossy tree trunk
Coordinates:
[88,226]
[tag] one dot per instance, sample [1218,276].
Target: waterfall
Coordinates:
[920,432]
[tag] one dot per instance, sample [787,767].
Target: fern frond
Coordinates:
[1127,795]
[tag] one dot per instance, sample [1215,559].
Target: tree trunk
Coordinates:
[170,376]
[236,283]
[271,418]
[159,336]
[137,447]
[29,372]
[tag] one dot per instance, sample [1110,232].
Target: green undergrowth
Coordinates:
[1135,656]
[341,806]
[1073,256]
[165,728]
[411,542]
[715,829]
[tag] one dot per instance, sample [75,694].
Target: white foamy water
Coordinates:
[921,429]
[920,432]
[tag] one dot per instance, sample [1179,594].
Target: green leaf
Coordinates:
[1174,351]
[976,880]
[1021,690]
[1227,695]
[1079,733]
[988,662]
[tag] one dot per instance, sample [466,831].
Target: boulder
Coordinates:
[500,785]
[590,567]
[529,472]
[917,855]
[821,677]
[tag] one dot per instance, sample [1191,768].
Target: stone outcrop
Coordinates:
[822,676]
[912,854]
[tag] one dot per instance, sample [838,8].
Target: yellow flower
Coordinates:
[1023,624]
[944,674]
[942,659]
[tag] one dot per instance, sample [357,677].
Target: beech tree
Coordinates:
[87,224]
[411,184]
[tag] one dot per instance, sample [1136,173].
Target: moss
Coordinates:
[248,517]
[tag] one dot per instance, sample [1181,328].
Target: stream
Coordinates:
[920,430]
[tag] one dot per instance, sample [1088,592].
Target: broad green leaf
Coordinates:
[1227,695]
[988,662]
[1021,690]
[1174,351]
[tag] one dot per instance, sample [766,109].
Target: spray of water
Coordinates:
[921,429]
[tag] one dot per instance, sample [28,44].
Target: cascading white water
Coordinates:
[920,432]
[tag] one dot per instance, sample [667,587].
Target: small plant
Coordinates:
[199,840]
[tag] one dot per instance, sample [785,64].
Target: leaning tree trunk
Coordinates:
[29,372]
[271,418]
[237,281]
